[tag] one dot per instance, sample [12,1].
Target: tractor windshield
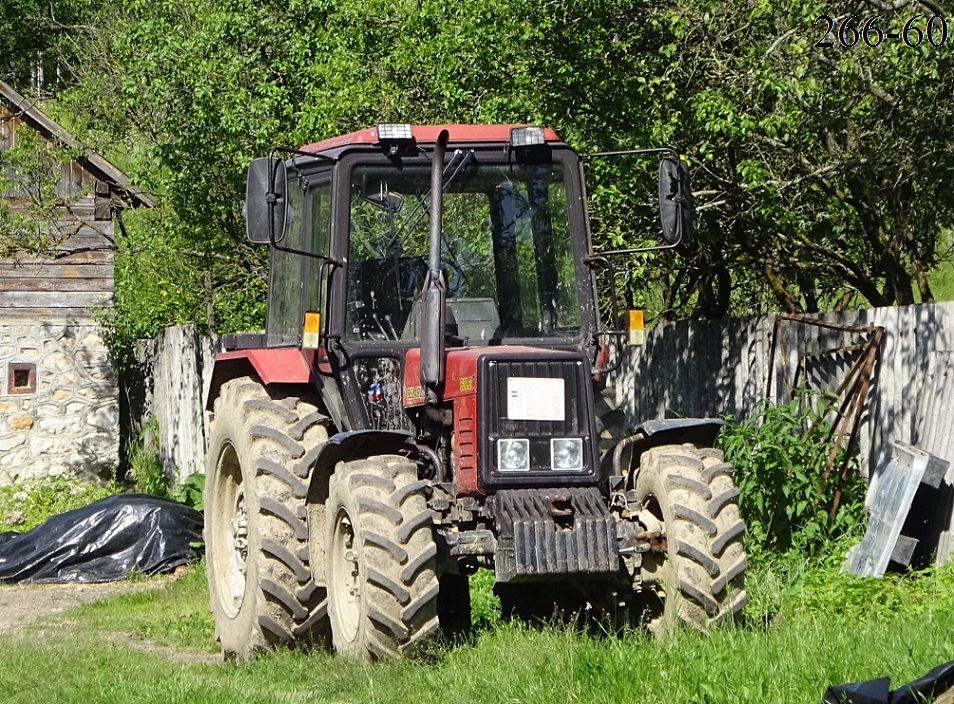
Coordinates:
[506,251]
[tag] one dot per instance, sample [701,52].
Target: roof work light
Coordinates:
[527,136]
[394,132]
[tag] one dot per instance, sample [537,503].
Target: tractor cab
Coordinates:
[351,222]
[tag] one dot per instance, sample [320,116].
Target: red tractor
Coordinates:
[423,403]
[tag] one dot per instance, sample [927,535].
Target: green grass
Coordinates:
[942,282]
[25,505]
[808,627]
[174,615]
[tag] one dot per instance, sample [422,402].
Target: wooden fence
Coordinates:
[169,384]
[727,367]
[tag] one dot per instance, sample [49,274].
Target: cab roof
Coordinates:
[427,134]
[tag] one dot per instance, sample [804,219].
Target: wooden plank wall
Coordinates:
[78,279]
[723,368]
[169,383]
[79,276]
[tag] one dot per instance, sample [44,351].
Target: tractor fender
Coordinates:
[353,445]
[279,365]
[700,432]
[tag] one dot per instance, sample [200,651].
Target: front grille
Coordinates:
[576,420]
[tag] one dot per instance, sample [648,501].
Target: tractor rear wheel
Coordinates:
[380,558]
[697,578]
[262,593]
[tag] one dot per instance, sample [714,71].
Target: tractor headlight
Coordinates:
[513,455]
[566,454]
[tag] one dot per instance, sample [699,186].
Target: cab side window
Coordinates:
[295,284]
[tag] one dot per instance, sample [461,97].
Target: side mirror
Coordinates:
[675,201]
[266,205]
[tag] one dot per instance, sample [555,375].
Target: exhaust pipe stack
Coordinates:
[434,292]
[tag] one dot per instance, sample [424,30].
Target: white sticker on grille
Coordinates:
[535,399]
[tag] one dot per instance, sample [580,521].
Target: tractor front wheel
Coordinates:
[262,590]
[380,559]
[695,577]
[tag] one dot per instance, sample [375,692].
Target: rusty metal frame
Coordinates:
[852,391]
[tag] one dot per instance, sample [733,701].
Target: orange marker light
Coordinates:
[310,337]
[636,327]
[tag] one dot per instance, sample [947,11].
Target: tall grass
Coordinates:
[26,504]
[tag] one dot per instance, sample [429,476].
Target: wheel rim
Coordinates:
[656,572]
[346,586]
[232,552]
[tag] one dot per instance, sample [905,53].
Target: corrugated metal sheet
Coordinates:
[934,433]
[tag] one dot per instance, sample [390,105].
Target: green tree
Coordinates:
[821,175]
[36,38]
[32,223]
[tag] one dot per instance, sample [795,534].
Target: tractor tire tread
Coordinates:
[266,465]
[700,578]
[397,556]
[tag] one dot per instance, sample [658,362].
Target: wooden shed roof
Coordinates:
[96,164]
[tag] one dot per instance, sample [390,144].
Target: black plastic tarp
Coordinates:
[924,689]
[103,542]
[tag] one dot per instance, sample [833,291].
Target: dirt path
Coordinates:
[23,604]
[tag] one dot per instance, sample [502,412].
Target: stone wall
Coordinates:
[59,401]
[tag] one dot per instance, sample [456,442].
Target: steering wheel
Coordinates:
[453,275]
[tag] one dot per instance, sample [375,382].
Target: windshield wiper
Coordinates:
[457,164]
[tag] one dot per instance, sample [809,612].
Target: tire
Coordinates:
[258,468]
[380,559]
[697,579]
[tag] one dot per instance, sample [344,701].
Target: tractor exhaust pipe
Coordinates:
[434,293]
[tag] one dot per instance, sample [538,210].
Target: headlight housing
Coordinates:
[513,455]
[566,454]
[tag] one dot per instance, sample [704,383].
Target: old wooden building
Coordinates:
[59,398]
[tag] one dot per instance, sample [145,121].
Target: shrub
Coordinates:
[25,505]
[787,498]
[144,466]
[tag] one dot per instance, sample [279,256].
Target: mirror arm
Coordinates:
[300,152]
[681,201]
[272,198]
